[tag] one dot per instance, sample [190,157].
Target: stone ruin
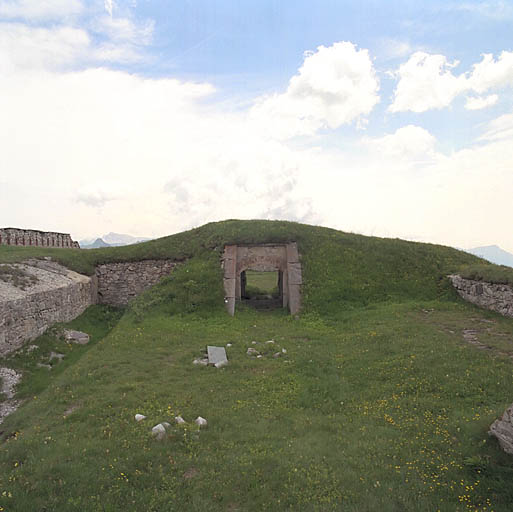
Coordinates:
[33,237]
[283,258]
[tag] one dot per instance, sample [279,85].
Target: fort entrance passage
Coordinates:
[280,258]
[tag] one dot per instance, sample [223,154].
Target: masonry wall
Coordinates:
[32,237]
[496,297]
[59,295]
[118,283]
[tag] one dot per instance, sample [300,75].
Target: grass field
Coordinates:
[378,403]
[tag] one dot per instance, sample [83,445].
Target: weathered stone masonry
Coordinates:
[59,295]
[32,237]
[118,283]
[497,297]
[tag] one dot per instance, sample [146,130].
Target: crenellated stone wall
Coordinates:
[32,237]
[49,294]
[497,297]
[118,283]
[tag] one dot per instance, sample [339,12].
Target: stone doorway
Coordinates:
[262,289]
[280,258]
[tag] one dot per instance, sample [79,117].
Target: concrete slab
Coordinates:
[217,355]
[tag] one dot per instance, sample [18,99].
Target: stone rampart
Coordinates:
[118,283]
[48,294]
[497,297]
[32,237]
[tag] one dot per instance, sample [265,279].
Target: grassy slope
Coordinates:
[380,405]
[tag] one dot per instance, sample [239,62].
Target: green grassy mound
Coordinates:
[378,402]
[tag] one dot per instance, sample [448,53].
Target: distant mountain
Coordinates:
[121,239]
[111,240]
[494,254]
[95,245]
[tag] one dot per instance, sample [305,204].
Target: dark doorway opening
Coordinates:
[262,290]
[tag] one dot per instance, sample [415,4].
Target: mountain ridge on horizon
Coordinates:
[112,240]
[494,254]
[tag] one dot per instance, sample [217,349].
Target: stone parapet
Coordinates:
[119,283]
[496,297]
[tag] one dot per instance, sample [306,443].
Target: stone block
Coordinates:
[292,253]
[294,273]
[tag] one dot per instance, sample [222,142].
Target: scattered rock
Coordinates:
[166,424]
[259,356]
[284,350]
[203,361]
[159,431]
[140,417]
[8,381]
[254,342]
[220,364]
[190,473]
[278,354]
[270,341]
[78,337]
[252,351]
[56,355]
[179,420]
[502,429]
[69,410]
[201,422]
[228,344]
[43,365]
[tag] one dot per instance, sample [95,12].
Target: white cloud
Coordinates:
[125,30]
[40,9]
[25,47]
[426,82]
[491,73]
[407,144]
[391,48]
[500,128]
[479,102]
[334,86]
[496,9]
[109,7]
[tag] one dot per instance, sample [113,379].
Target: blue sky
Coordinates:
[387,118]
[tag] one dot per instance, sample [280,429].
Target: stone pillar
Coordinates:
[295,279]
[230,277]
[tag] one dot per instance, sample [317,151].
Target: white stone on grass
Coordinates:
[252,351]
[140,417]
[203,362]
[201,422]
[284,350]
[56,355]
[179,420]
[159,431]
[270,341]
[79,337]
[228,344]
